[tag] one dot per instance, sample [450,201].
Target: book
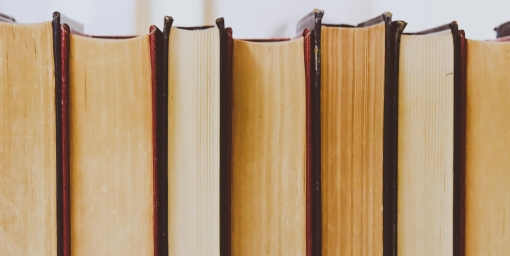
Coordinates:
[114,89]
[196,157]
[352,113]
[486,177]
[355,78]
[28,140]
[31,136]
[269,146]
[429,145]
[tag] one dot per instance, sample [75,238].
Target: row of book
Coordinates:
[344,140]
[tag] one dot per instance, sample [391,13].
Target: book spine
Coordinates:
[62,171]
[65,140]
[315,94]
[459,168]
[226,43]
[159,140]
[394,31]
[308,61]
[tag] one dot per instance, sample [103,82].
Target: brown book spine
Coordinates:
[394,31]
[66,232]
[60,54]
[163,126]
[226,44]
[159,141]
[459,135]
[459,175]
[307,35]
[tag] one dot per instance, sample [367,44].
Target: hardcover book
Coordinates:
[353,115]
[114,201]
[487,139]
[197,137]
[32,157]
[430,143]
[270,165]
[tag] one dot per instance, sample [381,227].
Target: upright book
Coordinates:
[430,144]
[270,168]
[115,161]
[487,179]
[354,106]
[32,156]
[197,137]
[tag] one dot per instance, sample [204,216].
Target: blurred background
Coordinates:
[260,18]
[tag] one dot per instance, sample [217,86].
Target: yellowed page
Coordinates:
[352,104]
[193,142]
[488,149]
[425,145]
[111,147]
[268,149]
[27,140]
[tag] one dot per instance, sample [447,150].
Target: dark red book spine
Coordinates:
[308,50]
[65,139]
[61,67]
[459,183]
[159,142]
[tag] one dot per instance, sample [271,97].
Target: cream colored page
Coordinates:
[487,149]
[352,104]
[425,145]
[193,142]
[268,145]
[111,147]
[27,141]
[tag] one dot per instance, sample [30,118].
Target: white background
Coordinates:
[260,18]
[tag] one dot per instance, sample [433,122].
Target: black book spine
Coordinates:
[57,56]
[394,31]
[225,135]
